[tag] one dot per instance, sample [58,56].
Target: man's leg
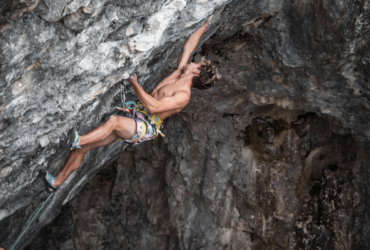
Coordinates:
[122,127]
[116,126]
[75,158]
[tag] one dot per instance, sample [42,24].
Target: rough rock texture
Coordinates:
[274,185]
[273,157]
[60,62]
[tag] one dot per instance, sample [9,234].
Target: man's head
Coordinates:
[205,74]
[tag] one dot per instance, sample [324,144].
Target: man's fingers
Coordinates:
[131,76]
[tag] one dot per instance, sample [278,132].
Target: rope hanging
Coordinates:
[20,236]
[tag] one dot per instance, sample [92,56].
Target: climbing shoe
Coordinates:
[48,181]
[74,138]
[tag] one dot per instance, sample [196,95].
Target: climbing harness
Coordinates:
[143,130]
[154,117]
[20,236]
[138,107]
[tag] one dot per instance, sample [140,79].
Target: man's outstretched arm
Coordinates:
[188,48]
[190,44]
[177,101]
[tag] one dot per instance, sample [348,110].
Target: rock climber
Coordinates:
[169,97]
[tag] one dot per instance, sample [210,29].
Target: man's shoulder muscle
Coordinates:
[182,97]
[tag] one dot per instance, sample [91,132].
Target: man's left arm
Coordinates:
[190,44]
[177,101]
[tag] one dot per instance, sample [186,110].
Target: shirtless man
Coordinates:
[169,97]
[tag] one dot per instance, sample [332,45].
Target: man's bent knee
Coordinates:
[113,119]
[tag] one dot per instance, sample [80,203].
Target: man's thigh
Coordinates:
[125,127]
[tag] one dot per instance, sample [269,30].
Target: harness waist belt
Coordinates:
[138,107]
[154,117]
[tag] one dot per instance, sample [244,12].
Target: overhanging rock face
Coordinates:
[60,63]
[277,148]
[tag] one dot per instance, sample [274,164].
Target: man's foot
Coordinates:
[48,181]
[74,138]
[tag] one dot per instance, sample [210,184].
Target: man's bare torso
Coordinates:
[167,88]
[172,94]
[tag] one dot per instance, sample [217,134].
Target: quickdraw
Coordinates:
[123,97]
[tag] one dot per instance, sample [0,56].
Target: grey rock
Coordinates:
[275,156]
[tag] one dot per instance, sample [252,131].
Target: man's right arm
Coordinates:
[177,101]
[190,45]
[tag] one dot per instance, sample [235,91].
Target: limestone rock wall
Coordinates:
[60,66]
[257,162]
[273,157]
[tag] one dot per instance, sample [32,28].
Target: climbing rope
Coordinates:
[123,100]
[20,236]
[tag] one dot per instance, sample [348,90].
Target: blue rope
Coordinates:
[20,236]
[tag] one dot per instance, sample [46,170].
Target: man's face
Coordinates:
[192,68]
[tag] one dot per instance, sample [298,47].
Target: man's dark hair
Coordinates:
[207,77]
